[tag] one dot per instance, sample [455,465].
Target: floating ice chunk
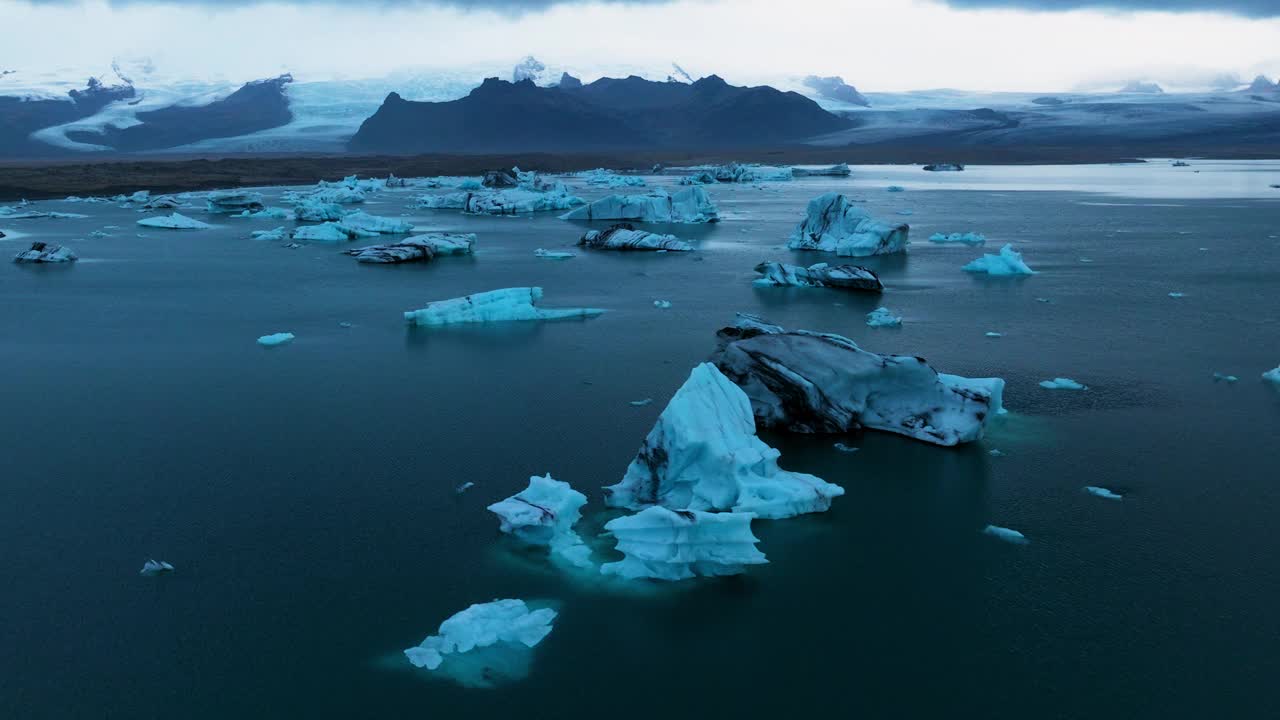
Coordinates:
[44,253]
[312,210]
[418,247]
[553,254]
[641,403]
[1219,377]
[833,224]
[278,234]
[164,202]
[275,339]
[607,178]
[544,514]
[623,236]
[464,487]
[151,568]
[1005,534]
[665,544]
[841,170]
[845,448]
[739,173]
[994,334]
[513,201]
[896,188]
[360,220]
[809,382]
[703,454]
[1176,295]
[37,215]
[1008,262]
[699,178]
[944,167]
[662,304]
[883,317]
[821,275]
[691,205]
[234,201]
[272,213]
[1061,384]
[501,622]
[1102,493]
[175,221]
[332,232]
[969,238]
[1272,375]
[509,304]
[995,452]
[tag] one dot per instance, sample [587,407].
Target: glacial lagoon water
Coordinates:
[306,493]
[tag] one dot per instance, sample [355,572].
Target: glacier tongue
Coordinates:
[834,224]
[665,544]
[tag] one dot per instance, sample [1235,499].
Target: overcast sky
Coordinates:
[878,45]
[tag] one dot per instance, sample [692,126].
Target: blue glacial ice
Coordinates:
[1272,376]
[508,201]
[610,179]
[821,275]
[508,304]
[662,304]
[1102,493]
[275,339]
[331,232]
[418,248]
[312,210]
[1005,534]
[40,252]
[844,448]
[152,568]
[553,254]
[969,238]
[994,334]
[690,205]
[278,234]
[234,201]
[623,236]
[361,220]
[834,224]
[736,173]
[883,317]
[1176,295]
[1008,262]
[1061,384]
[544,514]
[663,544]
[484,644]
[703,454]
[175,221]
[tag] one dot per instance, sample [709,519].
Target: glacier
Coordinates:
[43,253]
[691,205]
[418,247]
[809,382]
[624,236]
[544,514]
[663,544]
[1008,262]
[509,304]
[175,221]
[821,275]
[485,641]
[834,224]
[703,454]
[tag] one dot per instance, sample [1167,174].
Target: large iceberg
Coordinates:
[1008,262]
[834,224]
[487,640]
[361,220]
[544,514]
[691,205]
[44,253]
[312,210]
[235,201]
[513,201]
[666,544]
[607,178]
[703,454]
[418,247]
[509,304]
[821,275]
[624,236]
[812,382]
[176,221]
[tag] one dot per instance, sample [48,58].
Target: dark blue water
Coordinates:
[306,493]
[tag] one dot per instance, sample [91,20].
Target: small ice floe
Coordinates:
[1008,262]
[662,304]
[544,514]
[944,167]
[176,221]
[968,238]
[1043,300]
[883,317]
[501,633]
[39,215]
[623,236]
[417,248]
[995,452]
[553,254]
[663,544]
[276,235]
[45,253]
[1061,384]
[507,304]
[1177,295]
[98,234]
[1085,260]
[845,448]
[1005,534]
[994,334]
[331,232]
[895,188]
[344,324]
[274,339]
[641,403]
[1219,377]
[906,212]
[152,568]
[1272,376]
[1102,492]
[164,202]
[464,487]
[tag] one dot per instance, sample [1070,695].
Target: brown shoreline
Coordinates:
[57,178]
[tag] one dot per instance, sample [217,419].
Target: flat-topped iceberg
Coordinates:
[544,514]
[176,221]
[821,275]
[553,254]
[500,633]
[665,544]
[691,205]
[834,224]
[509,304]
[360,220]
[512,201]
[276,234]
[703,454]
[341,195]
[624,236]
[234,201]
[1272,376]
[331,232]
[1008,262]
[417,248]
[812,382]
[969,238]
[1061,384]
[841,170]
[943,167]
[44,253]
[275,339]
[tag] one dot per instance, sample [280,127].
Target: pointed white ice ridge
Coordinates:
[834,224]
[501,623]
[665,544]
[1008,262]
[544,514]
[176,221]
[703,454]
[151,568]
[508,304]
[691,205]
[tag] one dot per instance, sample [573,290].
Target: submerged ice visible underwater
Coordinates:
[306,494]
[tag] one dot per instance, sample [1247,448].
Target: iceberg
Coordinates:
[544,514]
[1005,534]
[1061,384]
[272,213]
[810,382]
[691,205]
[275,339]
[499,179]
[607,178]
[1102,493]
[310,210]
[883,317]
[663,544]
[175,221]
[165,202]
[662,304]
[505,627]
[1272,376]
[969,238]
[341,195]
[509,304]
[1221,377]
[703,454]
[44,253]
[331,232]
[553,254]
[833,224]
[418,247]
[738,173]
[1008,262]
[365,222]
[896,188]
[944,167]
[234,201]
[514,201]
[844,448]
[277,234]
[152,568]
[1176,295]
[12,214]
[821,275]
[994,334]
[624,236]
[841,170]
